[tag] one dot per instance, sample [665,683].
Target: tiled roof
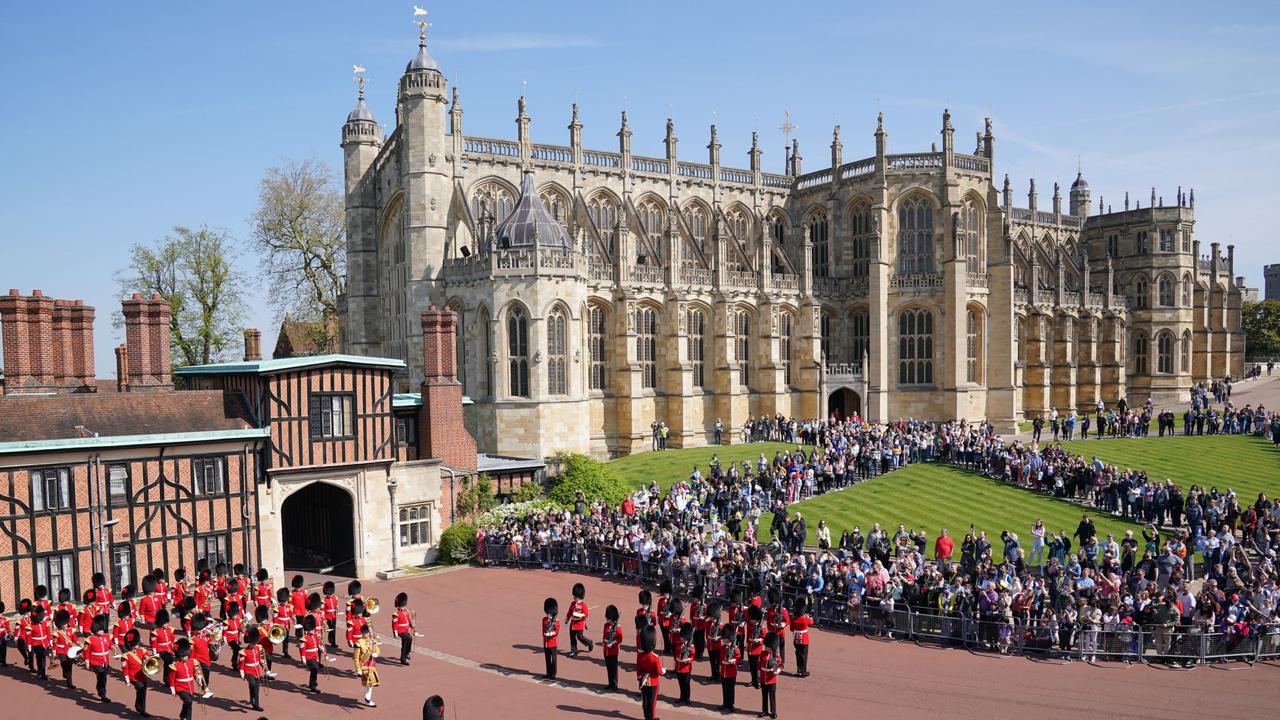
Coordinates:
[263,367]
[118,414]
[299,337]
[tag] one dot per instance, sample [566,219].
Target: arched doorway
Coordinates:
[842,403]
[317,530]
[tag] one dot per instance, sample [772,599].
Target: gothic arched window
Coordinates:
[491,198]
[973,347]
[1141,293]
[1165,352]
[915,347]
[697,346]
[824,336]
[787,323]
[647,345]
[742,345]
[596,344]
[557,353]
[1140,366]
[778,229]
[859,335]
[860,224]
[557,205]
[971,237]
[821,248]
[603,212]
[1165,291]
[518,351]
[740,224]
[915,236]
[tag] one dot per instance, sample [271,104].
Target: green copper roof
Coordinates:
[110,441]
[265,367]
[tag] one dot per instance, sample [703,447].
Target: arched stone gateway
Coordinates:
[318,530]
[843,402]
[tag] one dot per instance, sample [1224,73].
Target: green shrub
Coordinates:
[596,480]
[458,544]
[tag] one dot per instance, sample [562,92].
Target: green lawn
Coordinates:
[1246,464]
[668,466]
[931,497]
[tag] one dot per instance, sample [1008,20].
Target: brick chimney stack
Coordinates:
[146,333]
[252,345]
[441,431]
[48,344]
[122,368]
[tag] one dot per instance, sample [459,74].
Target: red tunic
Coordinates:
[38,636]
[649,670]
[118,631]
[200,650]
[162,639]
[284,616]
[132,665]
[263,594]
[729,660]
[800,629]
[779,620]
[770,667]
[99,654]
[331,608]
[755,638]
[85,619]
[231,629]
[550,631]
[298,599]
[683,650]
[662,612]
[653,617]
[104,596]
[4,629]
[353,631]
[578,614]
[147,608]
[183,677]
[400,622]
[612,641]
[310,648]
[64,640]
[251,662]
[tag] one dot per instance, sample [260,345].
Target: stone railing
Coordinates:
[914,161]
[601,159]
[978,279]
[786,282]
[742,279]
[1072,221]
[694,170]
[1022,296]
[772,180]
[552,153]
[1072,299]
[813,179]
[844,370]
[697,276]
[734,175]
[1046,297]
[971,163]
[1096,300]
[646,274]
[1022,214]
[491,146]
[521,259]
[861,168]
[653,166]
[827,286]
[916,281]
[557,259]
[1046,218]
[598,270]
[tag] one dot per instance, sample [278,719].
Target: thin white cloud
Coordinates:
[1138,112]
[503,42]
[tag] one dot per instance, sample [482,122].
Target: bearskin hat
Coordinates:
[550,606]
[579,591]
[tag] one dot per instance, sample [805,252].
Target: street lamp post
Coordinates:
[395,535]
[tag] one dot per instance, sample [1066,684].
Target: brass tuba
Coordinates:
[152,666]
[372,605]
[276,634]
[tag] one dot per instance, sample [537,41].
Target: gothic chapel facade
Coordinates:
[599,291]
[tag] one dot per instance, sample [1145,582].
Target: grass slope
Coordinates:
[669,466]
[1245,464]
[931,497]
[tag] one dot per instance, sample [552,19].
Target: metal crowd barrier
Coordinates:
[1125,643]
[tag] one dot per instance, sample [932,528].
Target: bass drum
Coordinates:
[75,652]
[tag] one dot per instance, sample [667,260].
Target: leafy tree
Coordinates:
[194,269]
[1261,322]
[596,481]
[299,234]
[476,497]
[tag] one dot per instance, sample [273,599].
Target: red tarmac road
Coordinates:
[481,652]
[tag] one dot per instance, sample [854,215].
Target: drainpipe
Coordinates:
[244,506]
[95,519]
[453,503]
[395,535]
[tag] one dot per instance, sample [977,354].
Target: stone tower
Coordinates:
[1271,273]
[361,142]
[1079,202]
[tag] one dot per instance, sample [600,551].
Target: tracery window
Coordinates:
[647,346]
[1164,352]
[493,199]
[653,221]
[1166,240]
[973,347]
[1142,243]
[970,237]
[1187,292]
[518,351]
[596,346]
[915,236]
[859,335]
[860,224]
[740,224]
[915,347]
[557,353]
[742,345]
[485,350]
[786,323]
[821,248]
[1165,291]
[1140,366]
[603,212]
[1141,293]
[556,205]
[824,336]
[697,346]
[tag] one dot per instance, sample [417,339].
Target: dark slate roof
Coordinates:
[1079,184]
[422,62]
[55,417]
[361,113]
[530,223]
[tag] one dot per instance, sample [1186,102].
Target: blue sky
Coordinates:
[124,119]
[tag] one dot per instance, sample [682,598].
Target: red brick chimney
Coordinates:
[146,338]
[122,368]
[441,432]
[252,344]
[48,344]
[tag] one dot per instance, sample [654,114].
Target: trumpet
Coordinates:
[152,666]
[372,605]
[276,634]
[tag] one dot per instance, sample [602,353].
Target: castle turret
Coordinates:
[361,143]
[1079,203]
[361,140]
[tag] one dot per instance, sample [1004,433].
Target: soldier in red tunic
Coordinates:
[162,587]
[262,614]
[200,652]
[98,654]
[5,631]
[402,627]
[101,590]
[611,644]
[262,590]
[649,672]
[131,667]
[682,646]
[162,641]
[715,642]
[577,620]
[646,609]
[550,631]
[88,612]
[331,613]
[664,615]
[39,639]
[283,617]
[65,603]
[800,624]
[356,615]
[64,638]
[233,631]
[181,589]
[123,625]
[310,652]
[148,605]
[697,616]
[778,621]
[298,600]
[42,600]
[770,669]
[727,663]
[755,642]
[183,681]
[251,665]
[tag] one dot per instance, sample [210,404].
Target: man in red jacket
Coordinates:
[682,646]
[942,549]
[162,640]
[550,633]
[251,665]
[770,669]
[611,644]
[331,613]
[310,652]
[232,631]
[649,672]
[200,650]
[298,601]
[98,654]
[800,624]
[131,667]
[729,657]
[577,620]
[182,681]
[64,638]
[402,627]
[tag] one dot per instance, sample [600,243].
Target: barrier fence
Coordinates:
[1031,637]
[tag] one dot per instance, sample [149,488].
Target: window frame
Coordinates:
[222,548]
[406,430]
[323,409]
[973,347]
[64,481]
[518,352]
[597,347]
[786,327]
[915,347]
[915,237]
[742,345]
[859,335]
[557,337]
[114,500]
[200,479]
[66,571]
[646,320]
[419,520]
[697,346]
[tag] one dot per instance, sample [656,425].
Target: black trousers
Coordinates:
[101,686]
[67,665]
[575,637]
[186,698]
[253,691]
[4,653]
[769,699]
[26,656]
[753,661]
[166,659]
[406,647]
[333,632]
[41,655]
[204,671]
[714,656]
[728,688]
[666,639]
[649,701]
[782,649]
[313,668]
[683,679]
[802,659]
[611,669]
[139,695]
[235,656]
[549,657]
[699,643]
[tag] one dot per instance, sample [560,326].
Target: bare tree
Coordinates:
[194,269]
[299,232]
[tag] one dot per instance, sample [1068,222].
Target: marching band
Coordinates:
[191,624]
